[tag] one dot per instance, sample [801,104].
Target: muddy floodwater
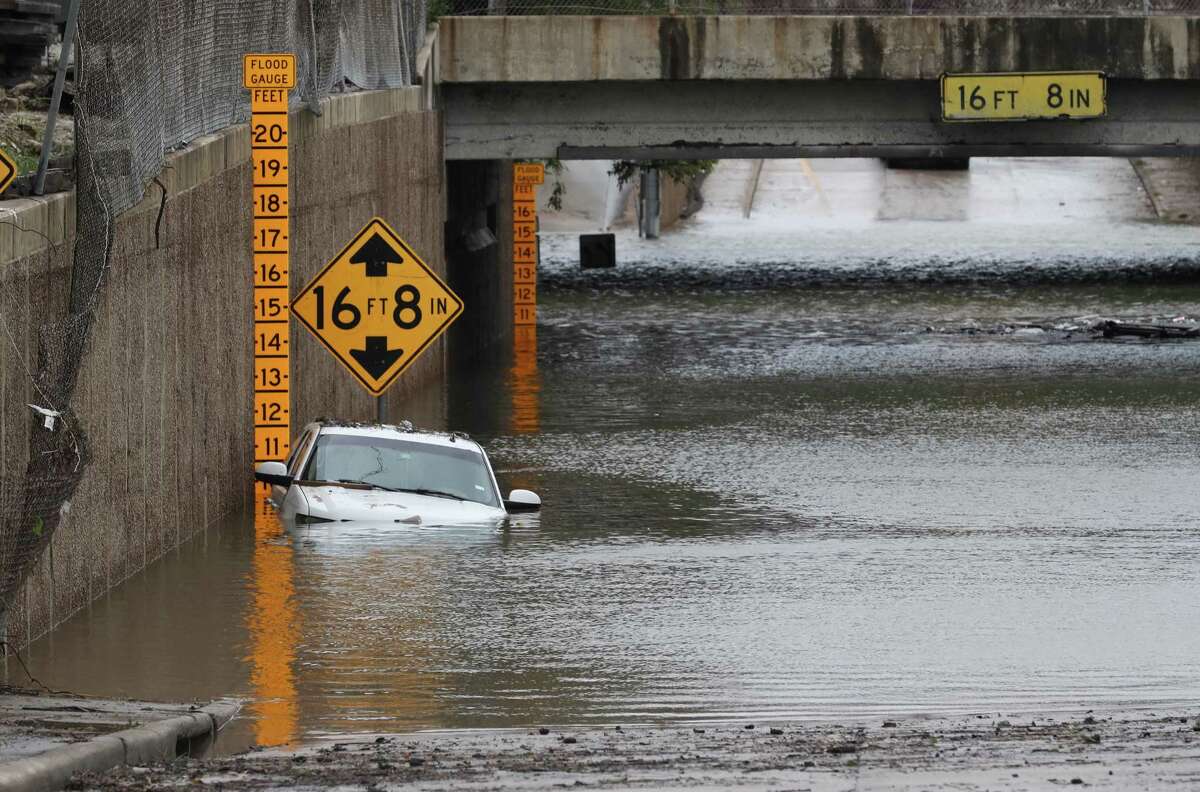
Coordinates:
[813,472]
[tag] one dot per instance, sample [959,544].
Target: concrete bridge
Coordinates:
[620,87]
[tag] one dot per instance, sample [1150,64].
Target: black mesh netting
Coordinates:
[154,75]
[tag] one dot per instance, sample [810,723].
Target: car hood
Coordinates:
[343,503]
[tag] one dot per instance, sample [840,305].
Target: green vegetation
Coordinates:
[26,163]
[556,168]
[21,138]
[437,8]
[683,172]
[679,171]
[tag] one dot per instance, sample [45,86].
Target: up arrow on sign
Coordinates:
[376,254]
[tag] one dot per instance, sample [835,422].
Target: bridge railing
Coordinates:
[818,7]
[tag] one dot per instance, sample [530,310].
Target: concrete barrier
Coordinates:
[158,741]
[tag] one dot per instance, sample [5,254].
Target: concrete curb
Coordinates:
[156,741]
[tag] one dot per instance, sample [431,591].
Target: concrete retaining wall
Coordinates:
[674,202]
[1173,187]
[165,391]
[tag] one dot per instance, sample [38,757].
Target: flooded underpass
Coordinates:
[792,470]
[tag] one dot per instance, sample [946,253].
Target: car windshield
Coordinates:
[402,465]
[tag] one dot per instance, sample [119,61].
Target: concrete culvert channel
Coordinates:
[877,471]
[874,470]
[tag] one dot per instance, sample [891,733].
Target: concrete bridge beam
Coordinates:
[773,119]
[629,48]
[801,86]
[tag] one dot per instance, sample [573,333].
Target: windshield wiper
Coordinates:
[415,491]
[370,484]
[435,493]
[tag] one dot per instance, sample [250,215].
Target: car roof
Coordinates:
[404,432]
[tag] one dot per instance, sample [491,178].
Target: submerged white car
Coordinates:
[341,472]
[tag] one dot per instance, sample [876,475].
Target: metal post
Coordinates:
[402,35]
[64,56]
[651,209]
[314,64]
[380,409]
[752,187]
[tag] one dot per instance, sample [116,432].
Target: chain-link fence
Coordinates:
[154,75]
[820,7]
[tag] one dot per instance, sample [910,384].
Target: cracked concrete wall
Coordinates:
[165,391]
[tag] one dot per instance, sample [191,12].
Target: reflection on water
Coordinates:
[838,500]
[372,665]
[524,382]
[273,629]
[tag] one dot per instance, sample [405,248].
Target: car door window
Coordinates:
[300,452]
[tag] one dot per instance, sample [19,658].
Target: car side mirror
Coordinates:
[522,500]
[273,473]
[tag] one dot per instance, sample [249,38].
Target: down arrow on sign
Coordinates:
[376,358]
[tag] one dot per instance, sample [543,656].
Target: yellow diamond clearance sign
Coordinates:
[8,171]
[376,306]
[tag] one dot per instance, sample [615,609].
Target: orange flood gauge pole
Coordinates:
[269,77]
[524,383]
[526,177]
[272,623]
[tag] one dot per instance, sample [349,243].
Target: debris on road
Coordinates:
[1112,329]
[1082,328]
[1138,751]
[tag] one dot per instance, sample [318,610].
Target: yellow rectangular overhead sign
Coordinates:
[1023,97]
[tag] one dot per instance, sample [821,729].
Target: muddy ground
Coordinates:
[1123,751]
